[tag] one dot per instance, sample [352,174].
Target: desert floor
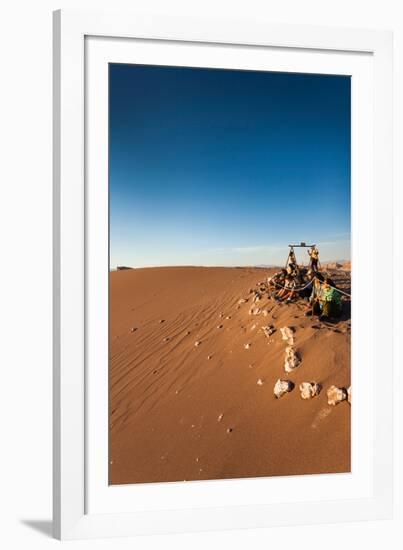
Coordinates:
[180,411]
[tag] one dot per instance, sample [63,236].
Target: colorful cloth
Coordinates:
[330,294]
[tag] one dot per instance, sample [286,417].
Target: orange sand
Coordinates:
[167,396]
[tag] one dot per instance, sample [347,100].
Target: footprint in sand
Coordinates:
[322,414]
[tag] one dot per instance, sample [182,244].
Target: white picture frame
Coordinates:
[83,506]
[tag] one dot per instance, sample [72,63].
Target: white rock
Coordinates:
[287,334]
[242,301]
[309,389]
[292,360]
[335,395]
[220,417]
[260,382]
[349,394]
[268,330]
[247,346]
[197,343]
[281,387]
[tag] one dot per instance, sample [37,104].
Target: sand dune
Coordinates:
[181,411]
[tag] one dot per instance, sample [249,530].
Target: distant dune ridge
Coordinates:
[192,378]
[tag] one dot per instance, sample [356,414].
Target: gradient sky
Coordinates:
[224,167]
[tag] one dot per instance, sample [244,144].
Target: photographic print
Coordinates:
[230,274]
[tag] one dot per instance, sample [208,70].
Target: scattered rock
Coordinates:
[220,326]
[209,357]
[228,317]
[265,313]
[220,417]
[268,330]
[253,327]
[161,321]
[287,334]
[242,301]
[335,395]
[309,389]
[197,343]
[254,311]
[260,382]
[247,346]
[229,430]
[349,394]
[133,329]
[281,387]
[292,360]
[166,339]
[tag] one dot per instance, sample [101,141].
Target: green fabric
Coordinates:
[331,295]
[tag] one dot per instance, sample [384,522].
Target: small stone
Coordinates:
[335,395]
[287,334]
[253,327]
[260,382]
[242,301]
[209,357]
[228,317]
[133,329]
[292,360]
[265,313]
[229,430]
[197,343]
[166,339]
[281,387]
[309,389]
[161,321]
[268,330]
[254,311]
[349,394]
[220,417]
[247,346]
[220,326]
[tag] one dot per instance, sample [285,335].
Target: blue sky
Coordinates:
[223,167]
